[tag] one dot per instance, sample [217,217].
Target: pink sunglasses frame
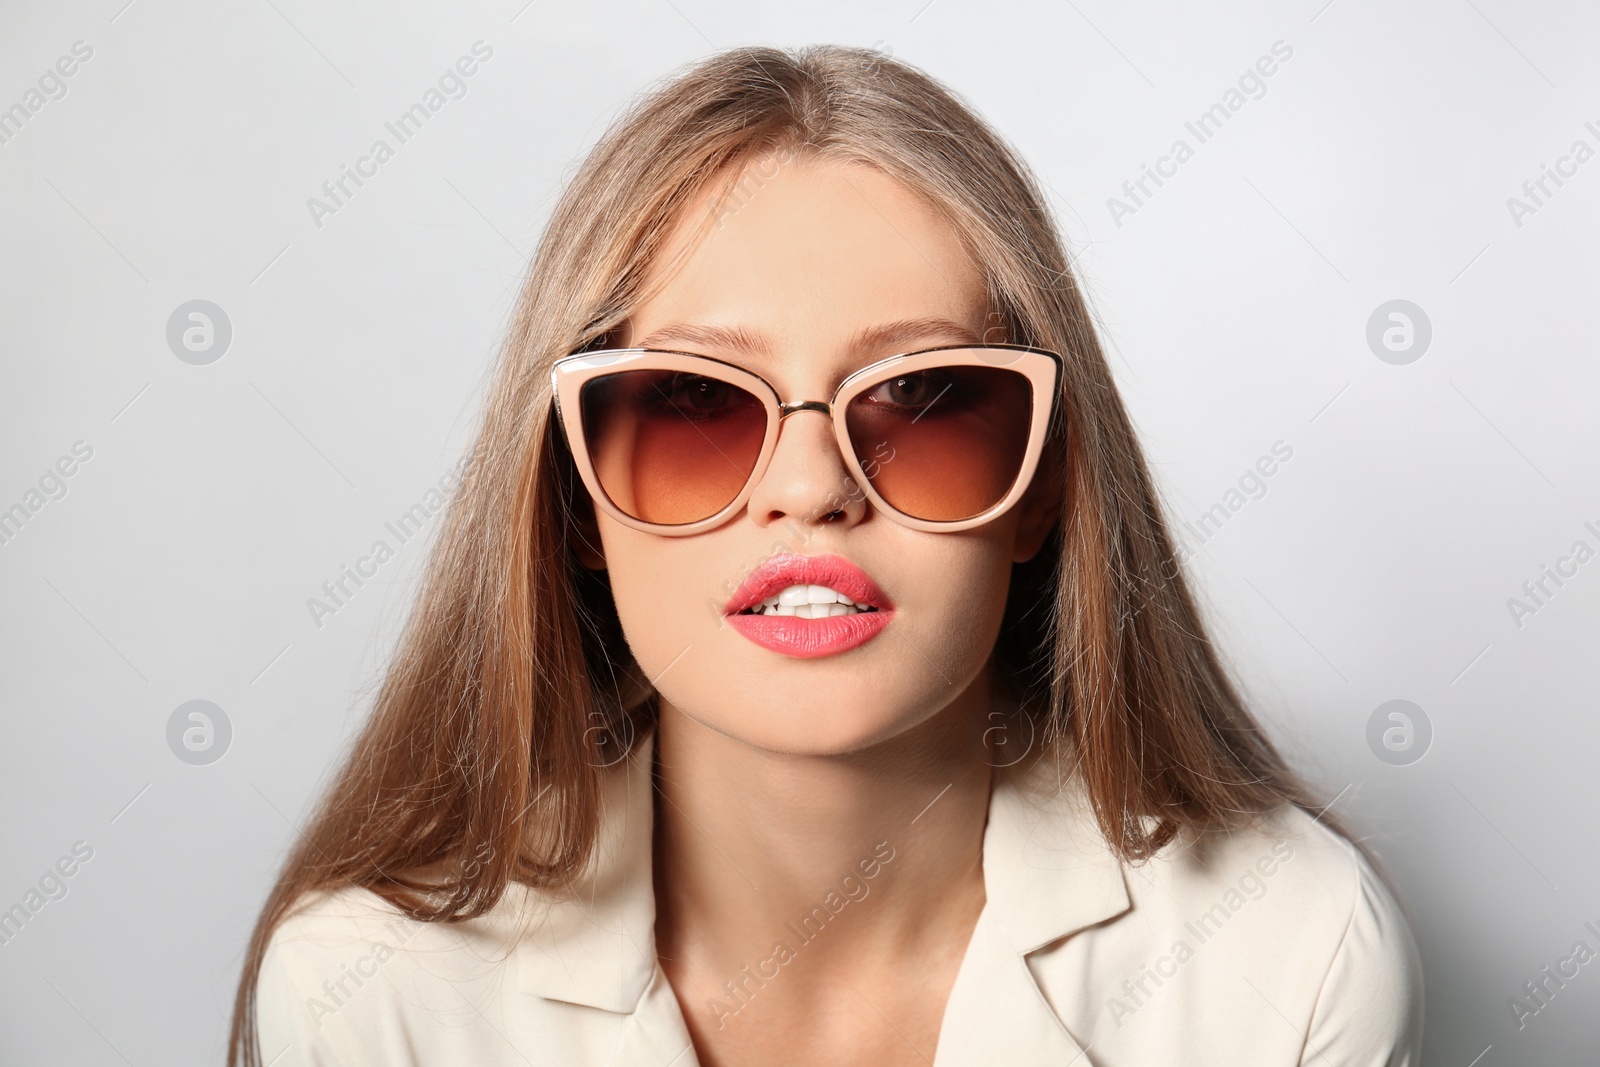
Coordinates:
[1042,368]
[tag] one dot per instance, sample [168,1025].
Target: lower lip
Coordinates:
[811,638]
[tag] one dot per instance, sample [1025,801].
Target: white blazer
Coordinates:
[1254,949]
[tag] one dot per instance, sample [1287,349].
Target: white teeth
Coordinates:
[809,602]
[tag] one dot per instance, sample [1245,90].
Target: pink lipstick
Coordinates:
[809,606]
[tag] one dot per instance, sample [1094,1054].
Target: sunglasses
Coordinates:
[673,443]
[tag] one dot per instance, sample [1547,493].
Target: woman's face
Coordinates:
[802,263]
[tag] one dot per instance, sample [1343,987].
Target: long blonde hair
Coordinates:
[483,757]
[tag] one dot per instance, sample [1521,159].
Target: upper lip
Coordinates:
[777,573]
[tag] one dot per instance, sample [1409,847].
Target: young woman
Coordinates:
[805,674]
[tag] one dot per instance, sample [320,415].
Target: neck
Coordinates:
[841,854]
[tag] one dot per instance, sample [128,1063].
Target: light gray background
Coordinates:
[1234,303]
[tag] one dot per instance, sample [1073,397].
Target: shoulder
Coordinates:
[1288,869]
[1280,939]
[1323,933]
[1369,1005]
[338,929]
[348,978]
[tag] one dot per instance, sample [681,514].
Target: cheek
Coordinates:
[954,597]
[670,593]
[660,589]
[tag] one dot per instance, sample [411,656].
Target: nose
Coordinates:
[807,478]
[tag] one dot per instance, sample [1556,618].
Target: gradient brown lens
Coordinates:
[671,447]
[943,443]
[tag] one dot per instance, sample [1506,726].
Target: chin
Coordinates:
[803,737]
[821,720]
[815,705]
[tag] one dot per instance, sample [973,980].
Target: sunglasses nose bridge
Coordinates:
[794,407]
[807,477]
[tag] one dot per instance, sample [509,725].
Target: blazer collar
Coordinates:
[1048,873]
[595,945]
[1047,869]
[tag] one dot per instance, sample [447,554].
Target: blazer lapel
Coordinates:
[596,945]
[1048,873]
[996,1013]
[655,1035]
[1047,869]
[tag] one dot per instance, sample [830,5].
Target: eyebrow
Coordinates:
[742,339]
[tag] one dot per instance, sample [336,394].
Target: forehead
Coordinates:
[810,256]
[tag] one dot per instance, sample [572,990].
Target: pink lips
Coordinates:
[809,638]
